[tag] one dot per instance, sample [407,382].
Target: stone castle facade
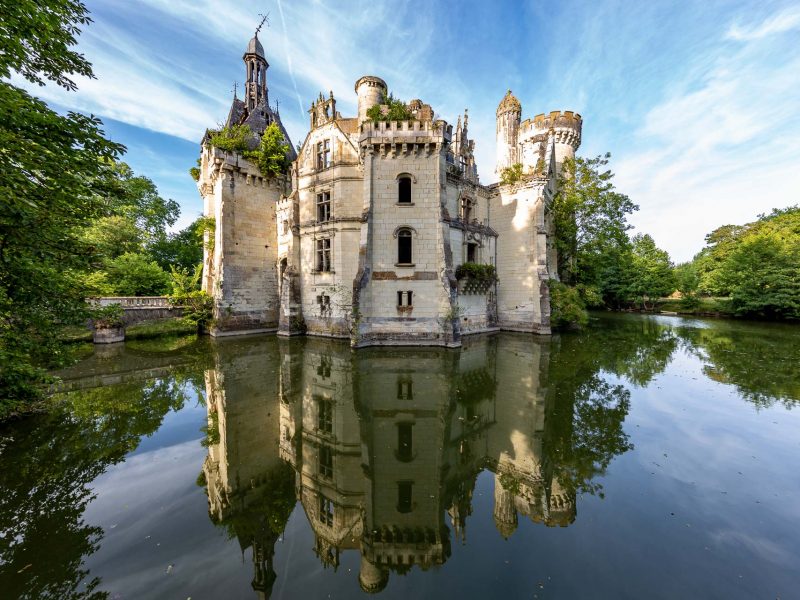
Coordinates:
[363,237]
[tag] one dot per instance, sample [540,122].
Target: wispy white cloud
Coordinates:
[786,20]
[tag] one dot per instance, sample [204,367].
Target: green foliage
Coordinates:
[134,274]
[182,250]
[477,272]
[755,265]
[590,219]
[272,155]
[108,316]
[567,308]
[198,306]
[195,171]
[651,275]
[53,171]
[511,174]
[237,138]
[389,109]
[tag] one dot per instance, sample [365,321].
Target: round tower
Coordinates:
[509,114]
[566,130]
[372,578]
[371,91]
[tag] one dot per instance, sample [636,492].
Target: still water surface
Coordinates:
[647,457]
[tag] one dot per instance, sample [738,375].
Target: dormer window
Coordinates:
[404,190]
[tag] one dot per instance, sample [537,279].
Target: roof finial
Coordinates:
[264,19]
[235,87]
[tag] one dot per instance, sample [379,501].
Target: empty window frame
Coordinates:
[405,389]
[325,511]
[404,255]
[324,368]
[405,447]
[404,190]
[326,462]
[324,414]
[472,252]
[405,298]
[324,255]
[324,207]
[404,499]
[323,154]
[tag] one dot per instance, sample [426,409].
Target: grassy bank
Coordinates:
[717,307]
[151,329]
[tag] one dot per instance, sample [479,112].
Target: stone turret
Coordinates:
[256,82]
[509,113]
[371,91]
[564,127]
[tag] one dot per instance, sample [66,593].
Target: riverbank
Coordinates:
[150,329]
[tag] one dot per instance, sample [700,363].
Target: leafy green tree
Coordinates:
[53,171]
[182,250]
[395,110]
[133,274]
[236,138]
[272,155]
[197,304]
[567,308]
[590,219]
[687,280]
[652,275]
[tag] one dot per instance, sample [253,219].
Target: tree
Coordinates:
[182,250]
[590,219]
[652,275]
[135,274]
[271,157]
[53,171]
[395,110]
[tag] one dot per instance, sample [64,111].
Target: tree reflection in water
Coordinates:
[386,444]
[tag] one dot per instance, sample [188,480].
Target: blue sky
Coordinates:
[697,101]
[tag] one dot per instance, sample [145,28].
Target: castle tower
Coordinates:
[371,91]
[256,82]
[509,113]
[562,128]
[240,267]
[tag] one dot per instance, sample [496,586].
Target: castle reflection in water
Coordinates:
[382,446]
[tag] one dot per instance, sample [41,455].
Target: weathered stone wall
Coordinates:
[241,275]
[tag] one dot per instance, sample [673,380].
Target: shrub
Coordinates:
[476,272]
[271,156]
[511,174]
[236,138]
[396,110]
[567,309]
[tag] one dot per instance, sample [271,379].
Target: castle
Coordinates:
[364,235]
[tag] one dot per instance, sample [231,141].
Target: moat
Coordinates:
[643,457]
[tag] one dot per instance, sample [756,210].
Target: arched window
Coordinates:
[404,190]
[404,247]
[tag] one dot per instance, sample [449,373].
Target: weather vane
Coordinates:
[264,19]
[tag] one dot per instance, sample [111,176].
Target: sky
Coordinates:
[698,102]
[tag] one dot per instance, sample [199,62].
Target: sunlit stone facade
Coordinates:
[363,237]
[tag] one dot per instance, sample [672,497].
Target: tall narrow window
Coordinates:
[326,511]
[404,441]
[404,190]
[404,247]
[324,415]
[471,252]
[404,502]
[326,154]
[324,207]
[324,255]
[285,227]
[324,368]
[320,156]
[326,462]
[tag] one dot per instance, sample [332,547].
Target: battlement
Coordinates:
[554,120]
[405,132]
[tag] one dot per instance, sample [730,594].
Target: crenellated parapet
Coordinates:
[565,125]
[403,137]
